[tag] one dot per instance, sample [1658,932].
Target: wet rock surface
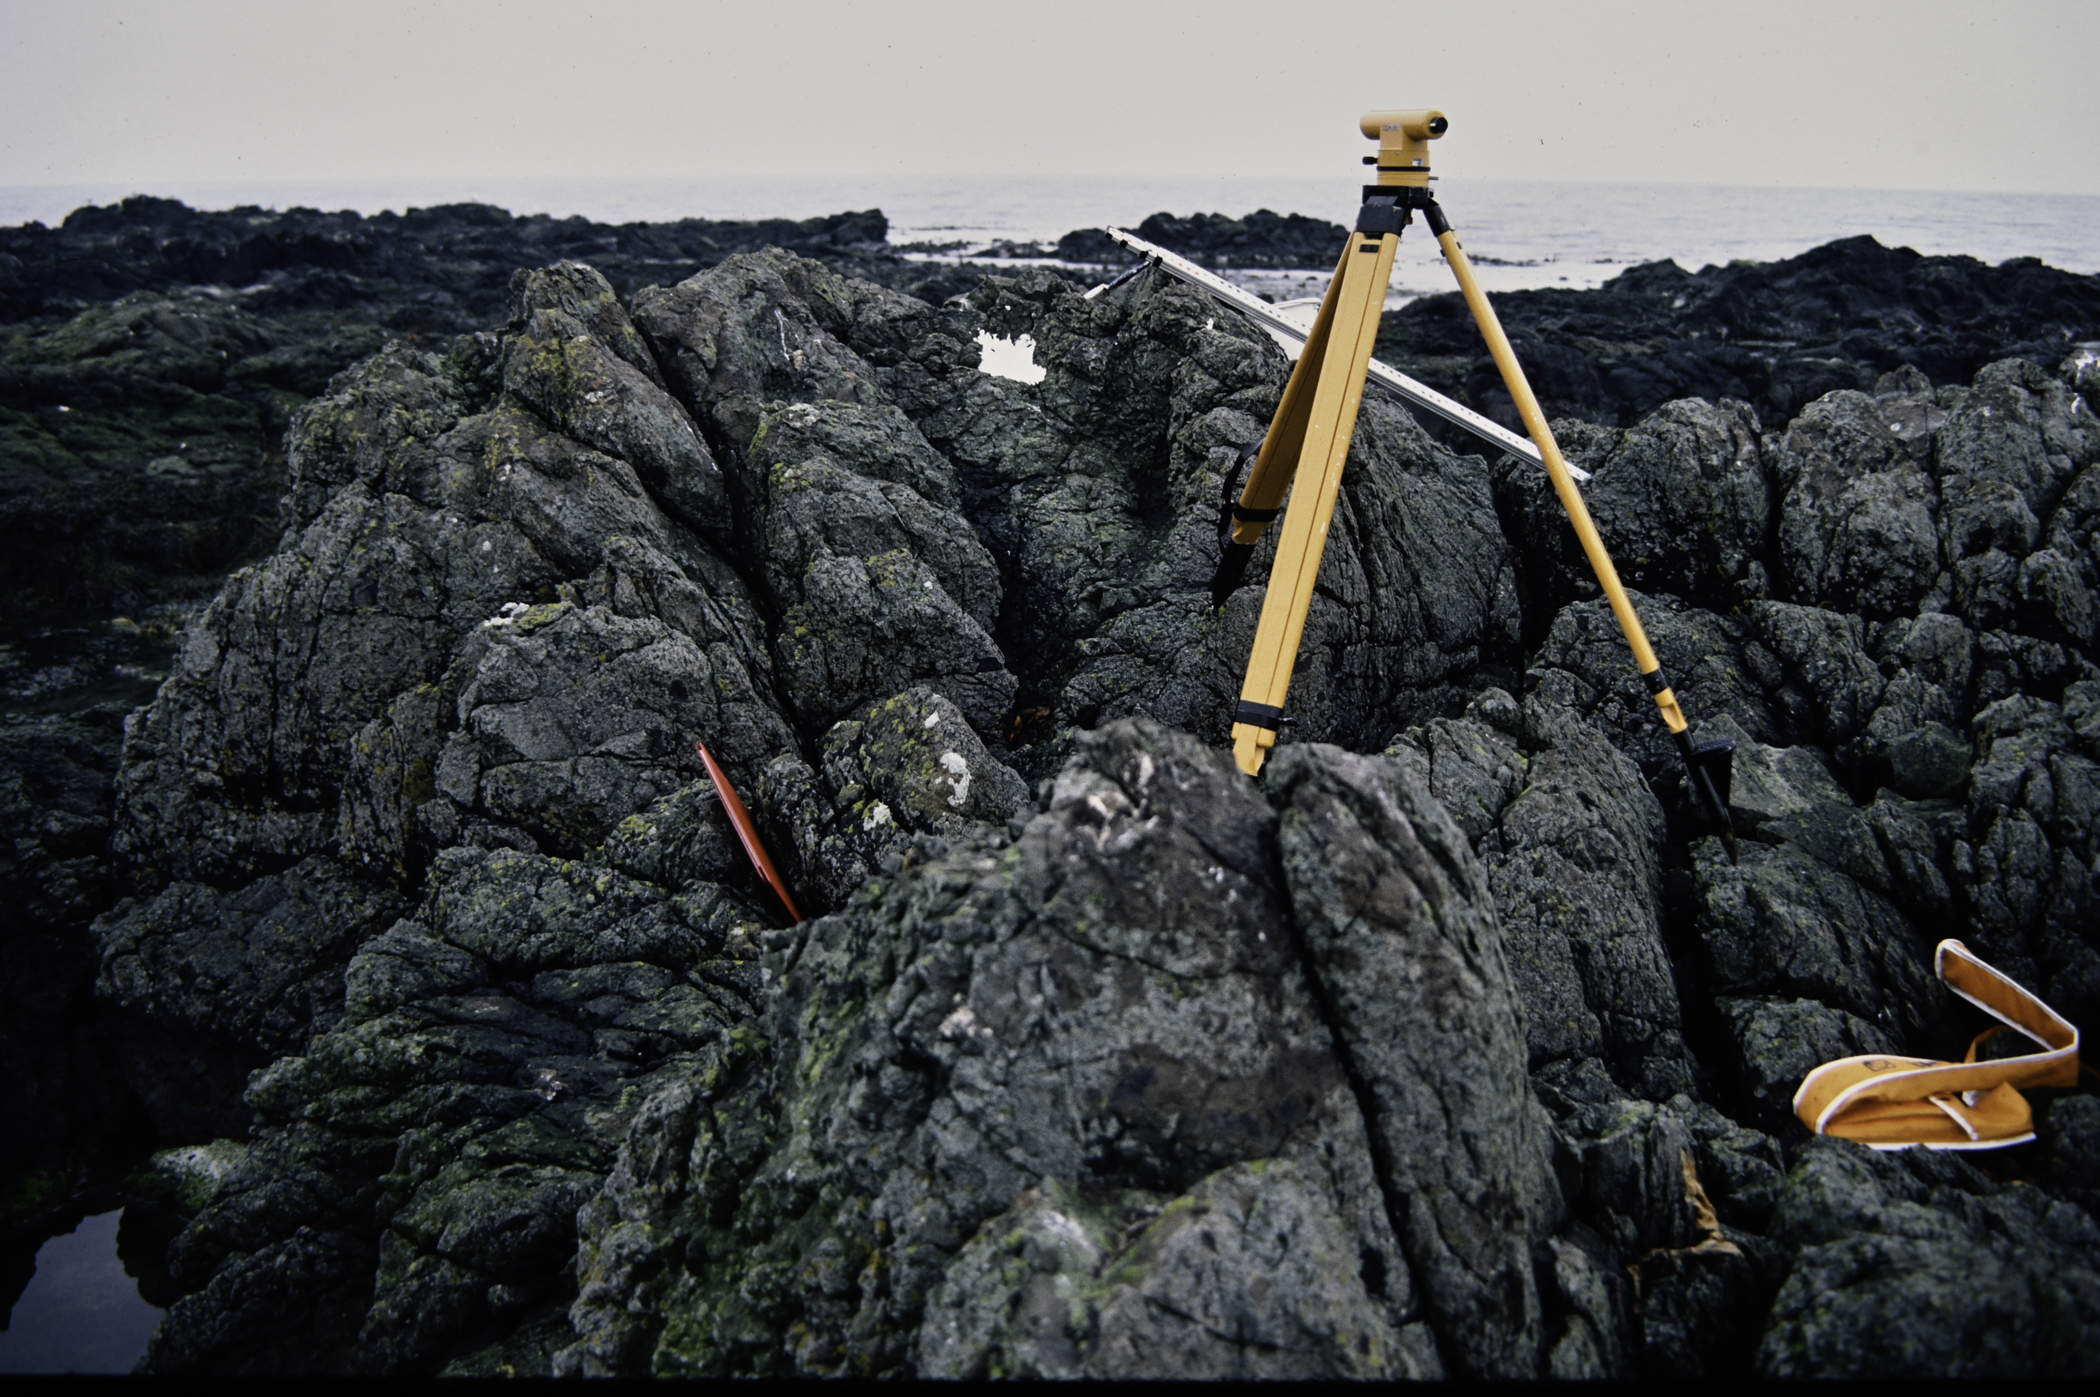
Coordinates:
[1454,1046]
[451,260]
[152,355]
[1261,239]
[1776,335]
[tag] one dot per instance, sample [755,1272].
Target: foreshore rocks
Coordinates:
[1101,1052]
[1261,239]
[151,357]
[1455,1045]
[435,264]
[1776,335]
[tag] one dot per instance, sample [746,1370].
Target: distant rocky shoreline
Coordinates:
[369,855]
[151,355]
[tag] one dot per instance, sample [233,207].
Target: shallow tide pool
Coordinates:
[80,1313]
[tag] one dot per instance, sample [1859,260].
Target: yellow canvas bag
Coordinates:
[1894,1103]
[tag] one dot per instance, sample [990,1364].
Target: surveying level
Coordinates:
[1308,442]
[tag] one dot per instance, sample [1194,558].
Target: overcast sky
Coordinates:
[1919,95]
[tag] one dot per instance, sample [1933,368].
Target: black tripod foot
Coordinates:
[1710,767]
[1232,567]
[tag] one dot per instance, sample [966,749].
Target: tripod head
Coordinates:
[1403,143]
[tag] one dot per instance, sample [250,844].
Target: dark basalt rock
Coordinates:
[1700,533]
[1919,1264]
[413,1189]
[1473,1057]
[151,357]
[1261,239]
[1571,837]
[445,267]
[1022,1046]
[1777,335]
[233,981]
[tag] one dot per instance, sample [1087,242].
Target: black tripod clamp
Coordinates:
[1234,557]
[1388,208]
[1707,769]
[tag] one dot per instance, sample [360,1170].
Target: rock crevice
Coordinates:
[1455,1046]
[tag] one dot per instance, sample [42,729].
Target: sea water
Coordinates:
[1521,234]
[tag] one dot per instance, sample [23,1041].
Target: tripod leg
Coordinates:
[1706,765]
[1356,297]
[1262,500]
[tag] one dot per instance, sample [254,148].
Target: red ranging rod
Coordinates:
[745,830]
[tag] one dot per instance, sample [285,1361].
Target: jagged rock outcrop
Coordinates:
[1685,496]
[1777,335]
[226,980]
[1571,837]
[1039,1110]
[152,356]
[412,1193]
[1261,239]
[521,576]
[1472,1057]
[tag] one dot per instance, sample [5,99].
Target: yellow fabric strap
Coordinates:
[1894,1102]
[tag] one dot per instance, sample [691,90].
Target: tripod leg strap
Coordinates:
[1893,1103]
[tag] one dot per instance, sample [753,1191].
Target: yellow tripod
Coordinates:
[1308,442]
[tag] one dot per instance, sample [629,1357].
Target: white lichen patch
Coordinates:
[963,1024]
[1005,358]
[958,777]
[876,818]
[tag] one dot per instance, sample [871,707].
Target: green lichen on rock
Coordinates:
[1091,1056]
[190,1176]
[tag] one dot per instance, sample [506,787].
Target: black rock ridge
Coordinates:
[1452,1046]
[1778,335]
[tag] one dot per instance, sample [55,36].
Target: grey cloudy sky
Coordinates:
[1918,95]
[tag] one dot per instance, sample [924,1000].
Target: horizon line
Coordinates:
[605,181]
